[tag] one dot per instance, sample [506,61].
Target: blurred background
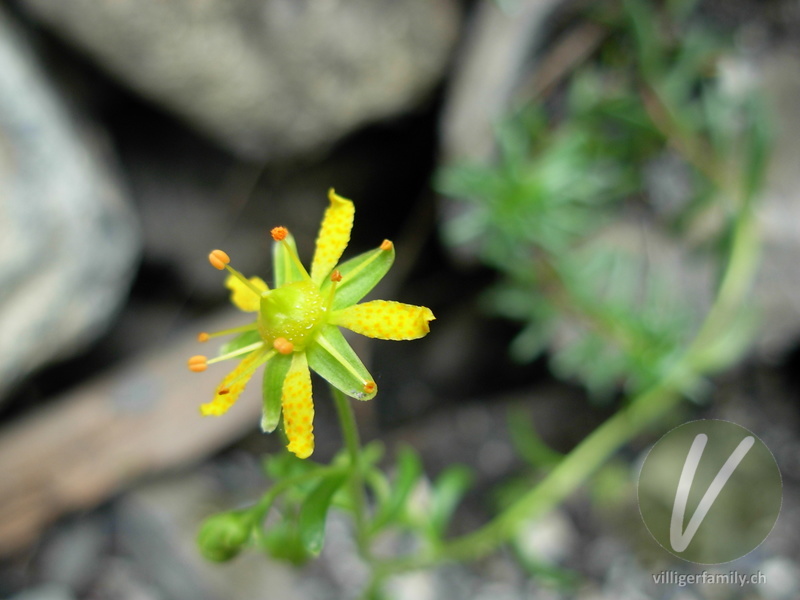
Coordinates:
[552,172]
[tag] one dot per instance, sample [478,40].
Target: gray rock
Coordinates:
[267,78]
[45,592]
[70,557]
[157,529]
[68,240]
[778,285]
[499,42]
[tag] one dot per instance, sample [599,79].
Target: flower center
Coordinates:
[294,312]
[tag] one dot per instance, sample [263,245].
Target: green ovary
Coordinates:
[294,311]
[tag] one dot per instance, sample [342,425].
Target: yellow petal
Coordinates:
[334,235]
[385,320]
[233,385]
[242,296]
[298,407]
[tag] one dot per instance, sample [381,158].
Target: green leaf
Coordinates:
[757,148]
[359,276]
[314,511]
[409,470]
[282,541]
[272,390]
[527,442]
[332,357]
[644,22]
[285,464]
[285,266]
[450,487]
[240,341]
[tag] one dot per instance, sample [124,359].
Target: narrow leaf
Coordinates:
[409,469]
[282,541]
[527,442]
[314,511]
[448,490]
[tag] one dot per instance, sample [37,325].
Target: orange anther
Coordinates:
[336,276]
[283,345]
[386,245]
[203,337]
[197,363]
[279,233]
[223,391]
[218,259]
[369,387]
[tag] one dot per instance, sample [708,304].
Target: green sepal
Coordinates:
[240,341]
[359,276]
[334,360]
[285,267]
[272,390]
[311,521]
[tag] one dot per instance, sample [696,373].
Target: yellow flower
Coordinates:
[297,325]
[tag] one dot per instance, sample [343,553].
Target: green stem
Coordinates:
[561,482]
[259,510]
[644,410]
[352,442]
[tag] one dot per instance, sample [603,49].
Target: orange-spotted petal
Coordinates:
[385,319]
[298,407]
[334,235]
[233,385]
[243,297]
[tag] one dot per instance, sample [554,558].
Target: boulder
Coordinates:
[266,78]
[68,239]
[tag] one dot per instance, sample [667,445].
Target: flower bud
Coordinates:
[223,536]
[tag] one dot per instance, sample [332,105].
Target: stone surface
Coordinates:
[68,240]
[267,78]
[499,42]
[778,285]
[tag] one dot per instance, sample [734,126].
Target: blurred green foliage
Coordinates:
[543,212]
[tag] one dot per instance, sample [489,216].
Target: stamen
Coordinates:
[204,337]
[279,235]
[198,363]
[385,246]
[244,280]
[283,345]
[218,259]
[369,387]
[336,277]
[236,353]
